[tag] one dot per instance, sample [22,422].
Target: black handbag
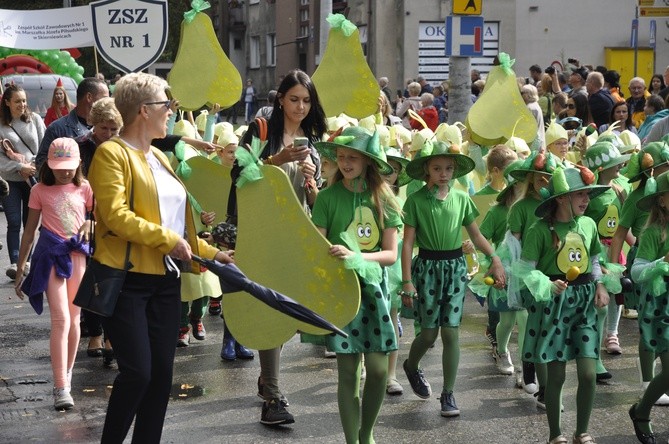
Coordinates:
[101,284]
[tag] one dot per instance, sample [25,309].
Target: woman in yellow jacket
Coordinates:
[141,204]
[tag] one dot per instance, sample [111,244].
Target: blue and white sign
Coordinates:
[653,30]
[464,36]
[634,36]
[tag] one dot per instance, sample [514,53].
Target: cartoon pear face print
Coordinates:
[364,229]
[572,253]
[609,222]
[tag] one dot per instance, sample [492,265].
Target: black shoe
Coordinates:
[448,406]
[604,376]
[215,306]
[107,357]
[261,389]
[274,413]
[197,329]
[419,384]
[644,438]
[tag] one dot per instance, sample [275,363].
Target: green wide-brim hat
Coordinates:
[603,155]
[357,139]
[648,201]
[568,180]
[396,155]
[537,162]
[637,168]
[432,149]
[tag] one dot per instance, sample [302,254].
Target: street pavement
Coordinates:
[215,402]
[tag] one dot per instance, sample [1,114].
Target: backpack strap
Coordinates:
[262,128]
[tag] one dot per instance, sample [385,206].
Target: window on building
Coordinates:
[271,49]
[303,14]
[237,43]
[254,53]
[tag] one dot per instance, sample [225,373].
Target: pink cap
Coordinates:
[64,154]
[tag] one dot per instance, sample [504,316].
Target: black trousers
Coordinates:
[143,329]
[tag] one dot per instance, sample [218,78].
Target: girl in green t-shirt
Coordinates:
[651,271]
[560,267]
[359,215]
[434,282]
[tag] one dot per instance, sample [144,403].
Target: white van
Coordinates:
[39,89]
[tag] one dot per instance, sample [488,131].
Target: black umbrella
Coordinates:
[233,280]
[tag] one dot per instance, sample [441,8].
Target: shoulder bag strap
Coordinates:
[262,128]
[24,142]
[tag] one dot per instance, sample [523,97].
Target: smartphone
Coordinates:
[300,142]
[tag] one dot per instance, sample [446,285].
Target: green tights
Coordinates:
[646,362]
[359,428]
[658,386]
[450,357]
[198,308]
[601,320]
[507,319]
[585,394]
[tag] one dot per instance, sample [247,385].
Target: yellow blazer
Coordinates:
[110,177]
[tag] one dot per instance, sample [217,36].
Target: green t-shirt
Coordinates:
[578,243]
[334,210]
[605,211]
[521,215]
[493,226]
[438,222]
[630,215]
[486,190]
[624,183]
[651,246]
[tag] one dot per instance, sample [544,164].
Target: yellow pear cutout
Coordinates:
[209,183]
[608,224]
[500,112]
[573,254]
[202,74]
[279,247]
[343,79]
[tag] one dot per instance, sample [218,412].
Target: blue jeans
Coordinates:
[16,212]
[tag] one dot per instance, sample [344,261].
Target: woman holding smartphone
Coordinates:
[297,116]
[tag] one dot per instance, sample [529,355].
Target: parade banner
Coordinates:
[46,28]
[129,34]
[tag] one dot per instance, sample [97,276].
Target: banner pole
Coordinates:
[95,57]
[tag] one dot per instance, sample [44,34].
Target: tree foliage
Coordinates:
[175,10]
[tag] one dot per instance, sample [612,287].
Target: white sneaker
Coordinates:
[530,388]
[503,362]
[519,377]
[26,269]
[393,387]
[11,272]
[662,401]
[62,400]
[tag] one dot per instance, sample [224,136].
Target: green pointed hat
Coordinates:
[536,163]
[603,155]
[568,180]
[651,156]
[396,155]
[431,149]
[358,139]
[660,186]
[510,181]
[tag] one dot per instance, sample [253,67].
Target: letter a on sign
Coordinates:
[130,34]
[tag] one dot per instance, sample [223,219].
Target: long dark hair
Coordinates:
[628,121]
[582,108]
[5,113]
[314,124]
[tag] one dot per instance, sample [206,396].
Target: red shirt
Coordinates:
[430,116]
[51,114]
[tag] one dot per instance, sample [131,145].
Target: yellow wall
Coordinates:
[622,60]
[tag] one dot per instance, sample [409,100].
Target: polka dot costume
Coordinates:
[563,328]
[371,330]
[440,285]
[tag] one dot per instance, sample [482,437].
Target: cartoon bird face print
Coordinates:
[364,229]
[572,254]
[609,222]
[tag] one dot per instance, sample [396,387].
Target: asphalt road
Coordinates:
[215,401]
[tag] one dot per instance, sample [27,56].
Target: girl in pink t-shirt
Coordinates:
[63,199]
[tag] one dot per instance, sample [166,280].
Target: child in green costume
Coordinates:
[359,215]
[434,282]
[560,267]
[650,271]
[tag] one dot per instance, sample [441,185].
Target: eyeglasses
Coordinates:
[571,106]
[165,103]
